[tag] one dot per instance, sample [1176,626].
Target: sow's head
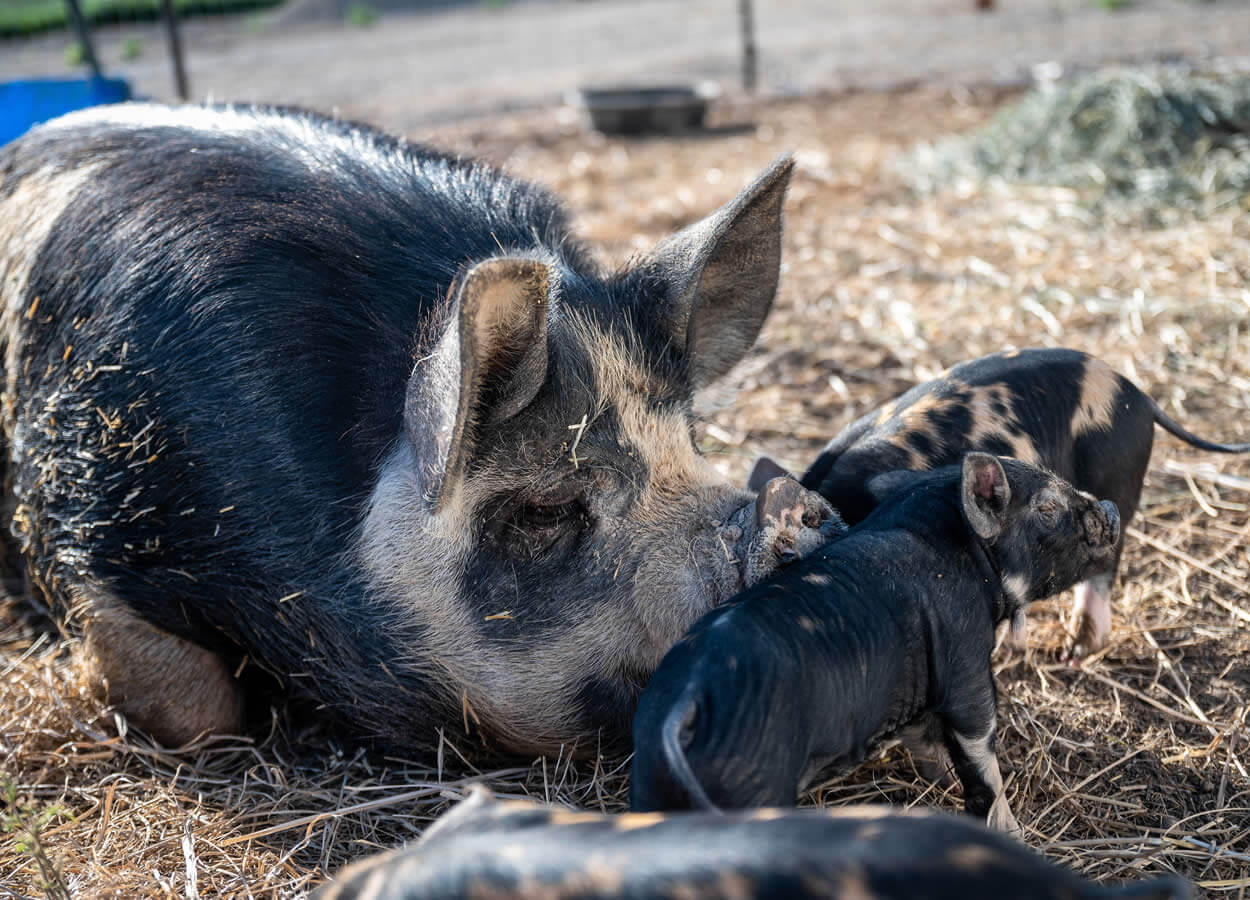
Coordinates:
[546,528]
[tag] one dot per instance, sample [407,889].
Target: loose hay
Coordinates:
[1135,763]
[1156,143]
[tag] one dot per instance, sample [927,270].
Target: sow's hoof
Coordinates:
[521,850]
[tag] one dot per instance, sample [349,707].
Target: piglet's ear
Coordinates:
[488,365]
[986,494]
[725,270]
[477,803]
[765,470]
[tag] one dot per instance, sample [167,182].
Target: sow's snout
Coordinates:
[785,523]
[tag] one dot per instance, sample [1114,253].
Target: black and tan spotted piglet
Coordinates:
[1059,409]
[489,848]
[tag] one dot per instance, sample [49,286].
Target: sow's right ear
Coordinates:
[725,269]
[488,365]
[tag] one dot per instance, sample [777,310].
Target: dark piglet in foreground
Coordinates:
[1059,409]
[293,404]
[889,626]
[486,848]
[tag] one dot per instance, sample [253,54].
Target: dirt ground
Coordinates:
[1131,764]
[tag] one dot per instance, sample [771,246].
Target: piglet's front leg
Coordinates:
[1091,609]
[970,736]
[976,764]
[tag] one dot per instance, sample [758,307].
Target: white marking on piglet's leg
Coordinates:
[1016,587]
[980,753]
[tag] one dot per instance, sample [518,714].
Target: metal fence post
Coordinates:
[747,22]
[84,37]
[175,48]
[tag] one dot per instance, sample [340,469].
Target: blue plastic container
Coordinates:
[27,103]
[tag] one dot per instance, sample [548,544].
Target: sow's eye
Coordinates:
[528,525]
[549,515]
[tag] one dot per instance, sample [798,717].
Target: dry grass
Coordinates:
[1135,762]
[1156,145]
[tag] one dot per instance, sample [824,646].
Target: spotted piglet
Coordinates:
[486,848]
[1060,409]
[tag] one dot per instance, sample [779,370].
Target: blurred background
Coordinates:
[403,64]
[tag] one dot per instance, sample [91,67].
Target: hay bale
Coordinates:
[1160,142]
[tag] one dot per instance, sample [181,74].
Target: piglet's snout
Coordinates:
[1113,520]
[1102,525]
[788,522]
[793,519]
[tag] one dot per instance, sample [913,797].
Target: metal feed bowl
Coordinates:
[644,110]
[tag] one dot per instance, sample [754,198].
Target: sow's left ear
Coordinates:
[725,270]
[487,366]
[985,494]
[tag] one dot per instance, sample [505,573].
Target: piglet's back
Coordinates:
[775,679]
[523,851]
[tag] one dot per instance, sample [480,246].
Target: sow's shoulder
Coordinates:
[223,304]
[524,851]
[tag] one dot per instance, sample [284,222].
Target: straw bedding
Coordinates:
[1133,763]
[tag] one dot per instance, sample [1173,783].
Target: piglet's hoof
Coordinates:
[1001,819]
[1075,649]
[1019,631]
[1089,639]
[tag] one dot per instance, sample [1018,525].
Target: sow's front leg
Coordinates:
[176,690]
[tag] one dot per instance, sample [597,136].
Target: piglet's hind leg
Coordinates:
[923,740]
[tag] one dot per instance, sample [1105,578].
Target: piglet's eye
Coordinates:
[1050,511]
